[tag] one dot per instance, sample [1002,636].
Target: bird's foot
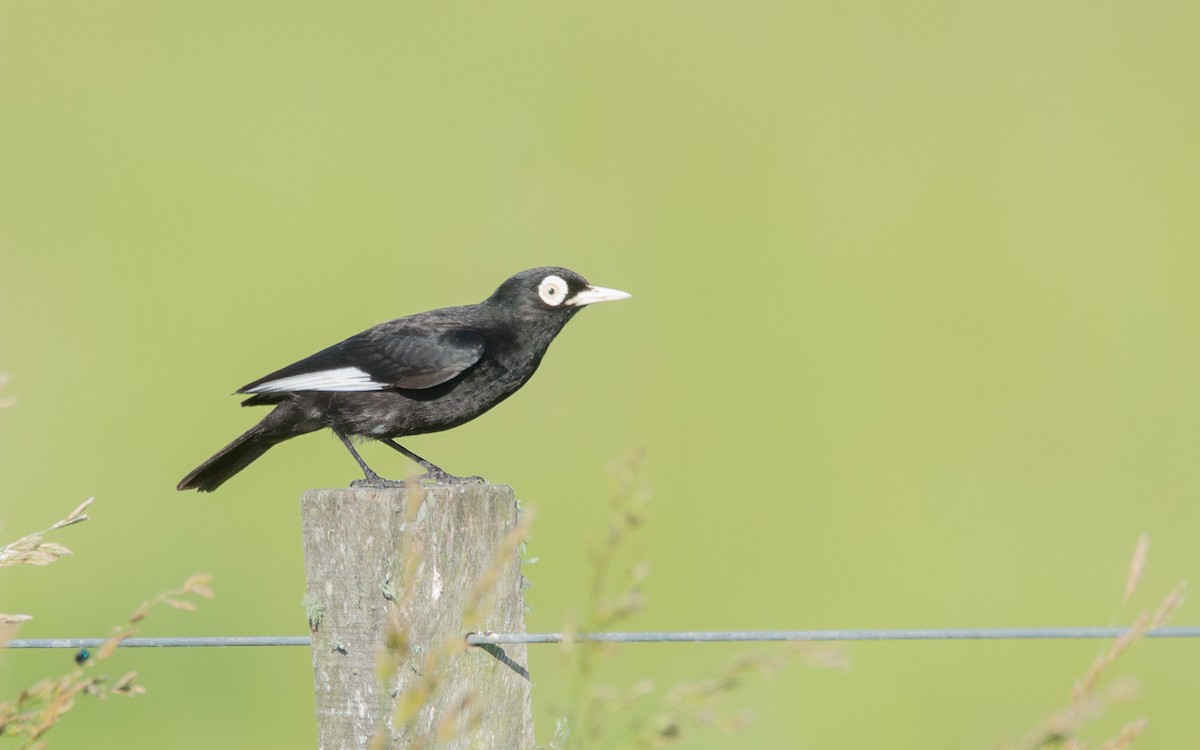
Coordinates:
[374,481]
[436,475]
[433,476]
[378,484]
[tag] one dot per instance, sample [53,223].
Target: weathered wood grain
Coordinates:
[403,565]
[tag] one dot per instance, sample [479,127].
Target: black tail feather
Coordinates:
[228,461]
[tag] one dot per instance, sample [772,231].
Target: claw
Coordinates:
[437,476]
[373,480]
[378,483]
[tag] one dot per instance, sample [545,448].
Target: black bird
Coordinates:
[423,373]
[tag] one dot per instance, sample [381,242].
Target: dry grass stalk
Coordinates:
[1089,700]
[8,400]
[483,593]
[645,715]
[38,708]
[1168,606]
[32,549]
[398,653]
[1136,566]
[1126,736]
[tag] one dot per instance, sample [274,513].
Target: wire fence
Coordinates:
[684,636]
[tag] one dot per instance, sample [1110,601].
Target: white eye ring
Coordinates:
[552,290]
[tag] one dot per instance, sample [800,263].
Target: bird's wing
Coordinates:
[383,357]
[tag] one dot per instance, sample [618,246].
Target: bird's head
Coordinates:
[550,293]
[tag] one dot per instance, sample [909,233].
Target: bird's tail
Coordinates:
[228,461]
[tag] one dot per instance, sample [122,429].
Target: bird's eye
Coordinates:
[552,290]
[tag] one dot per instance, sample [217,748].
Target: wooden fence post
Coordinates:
[394,575]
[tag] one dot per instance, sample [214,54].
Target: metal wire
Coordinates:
[726,636]
[694,636]
[202,642]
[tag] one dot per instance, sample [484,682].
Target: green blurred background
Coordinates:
[913,340]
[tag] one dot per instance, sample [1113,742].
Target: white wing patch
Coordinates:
[340,379]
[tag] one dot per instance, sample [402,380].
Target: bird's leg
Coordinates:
[433,473]
[371,479]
